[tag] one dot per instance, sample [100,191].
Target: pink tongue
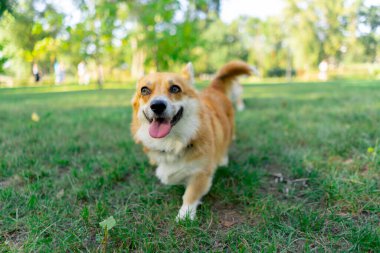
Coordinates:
[159,129]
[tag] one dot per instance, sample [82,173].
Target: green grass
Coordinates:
[77,166]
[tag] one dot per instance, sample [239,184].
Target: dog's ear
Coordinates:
[188,73]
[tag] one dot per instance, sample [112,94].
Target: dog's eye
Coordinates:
[174,89]
[145,91]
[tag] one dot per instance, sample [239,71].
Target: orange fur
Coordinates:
[196,156]
[228,73]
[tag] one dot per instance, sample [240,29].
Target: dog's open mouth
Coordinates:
[160,127]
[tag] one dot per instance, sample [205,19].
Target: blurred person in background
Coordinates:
[59,71]
[83,76]
[323,67]
[56,72]
[36,73]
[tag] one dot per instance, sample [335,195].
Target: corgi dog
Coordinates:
[186,133]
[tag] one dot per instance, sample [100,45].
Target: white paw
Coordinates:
[187,211]
[160,173]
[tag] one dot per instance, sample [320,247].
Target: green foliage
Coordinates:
[166,39]
[228,42]
[142,36]
[370,17]
[318,29]
[3,59]
[267,44]
[279,72]
[5,5]
[30,36]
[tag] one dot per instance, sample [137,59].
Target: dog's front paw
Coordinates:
[187,212]
[162,175]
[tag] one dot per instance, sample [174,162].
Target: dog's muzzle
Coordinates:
[162,116]
[158,107]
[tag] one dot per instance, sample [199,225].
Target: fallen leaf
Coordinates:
[35,117]
[228,218]
[227,223]
[108,223]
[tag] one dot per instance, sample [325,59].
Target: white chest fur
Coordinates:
[177,172]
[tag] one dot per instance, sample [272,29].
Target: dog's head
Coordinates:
[164,104]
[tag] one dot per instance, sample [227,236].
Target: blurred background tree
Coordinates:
[370,18]
[122,40]
[5,5]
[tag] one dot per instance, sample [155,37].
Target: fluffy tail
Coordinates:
[227,75]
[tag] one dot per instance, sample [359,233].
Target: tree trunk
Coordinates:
[138,59]
[100,74]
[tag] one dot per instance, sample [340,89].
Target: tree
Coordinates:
[171,35]
[28,35]
[317,29]
[267,45]
[220,43]
[156,33]
[3,60]
[92,38]
[5,5]
[369,16]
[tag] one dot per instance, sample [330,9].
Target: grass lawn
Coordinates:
[304,175]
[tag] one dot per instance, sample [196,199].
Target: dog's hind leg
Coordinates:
[237,96]
[224,161]
[240,106]
[196,188]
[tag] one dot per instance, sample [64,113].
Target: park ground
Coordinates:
[304,174]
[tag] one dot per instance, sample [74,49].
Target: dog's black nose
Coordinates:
[158,106]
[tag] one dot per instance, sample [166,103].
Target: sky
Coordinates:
[231,9]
